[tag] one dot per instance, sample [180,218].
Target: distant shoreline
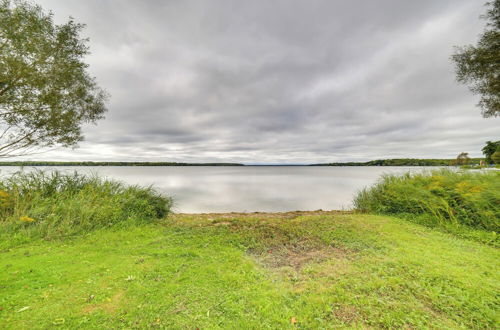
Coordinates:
[404,162]
[37,163]
[379,162]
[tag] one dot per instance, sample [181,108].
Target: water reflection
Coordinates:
[246,189]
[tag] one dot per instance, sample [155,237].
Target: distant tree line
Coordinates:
[403,162]
[48,163]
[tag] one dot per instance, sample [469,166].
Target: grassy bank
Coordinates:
[464,202]
[294,270]
[83,252]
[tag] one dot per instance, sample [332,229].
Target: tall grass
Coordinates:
[39,204]
[438,198]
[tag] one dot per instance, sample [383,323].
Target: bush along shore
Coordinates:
[50,205]
[464,202]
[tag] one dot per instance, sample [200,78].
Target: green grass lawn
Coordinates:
[257,271]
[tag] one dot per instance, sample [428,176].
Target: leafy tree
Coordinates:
[479,66]
[496,157]
[462,159]
[489,149]
[46,93]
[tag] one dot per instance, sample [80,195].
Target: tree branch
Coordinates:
[13,143]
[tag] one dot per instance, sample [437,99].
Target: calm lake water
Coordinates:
[246,189]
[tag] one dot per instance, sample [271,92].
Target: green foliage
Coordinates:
[443,198]
[462,159]
[259,271]
[37,204]
[479,66]
[496,157]
[46,92]
[403,162]
[489,149]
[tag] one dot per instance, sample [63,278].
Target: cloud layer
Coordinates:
[279,81]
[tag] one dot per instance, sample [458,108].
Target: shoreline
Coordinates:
[284,215]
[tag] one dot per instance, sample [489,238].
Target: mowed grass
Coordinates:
[234,271]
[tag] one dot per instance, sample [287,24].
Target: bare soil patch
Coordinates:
[109,307]
[299,254]
[346,314]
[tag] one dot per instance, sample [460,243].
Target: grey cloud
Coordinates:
[279,81]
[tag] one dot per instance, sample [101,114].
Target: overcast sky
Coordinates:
[268,81]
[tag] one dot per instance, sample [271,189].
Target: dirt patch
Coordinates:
[109,307]
[275,241]
[298,255]
[222,223]
[346,314]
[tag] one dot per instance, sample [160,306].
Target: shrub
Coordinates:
[39,204]
[441,197]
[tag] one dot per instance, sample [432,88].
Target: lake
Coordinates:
[200,189]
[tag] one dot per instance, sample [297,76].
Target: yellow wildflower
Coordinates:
[437,178]
[462,187]
[4,198]
[436,183]
[26,219]
[476,189]
[467,188]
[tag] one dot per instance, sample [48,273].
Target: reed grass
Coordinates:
[442,198]
[48,205]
